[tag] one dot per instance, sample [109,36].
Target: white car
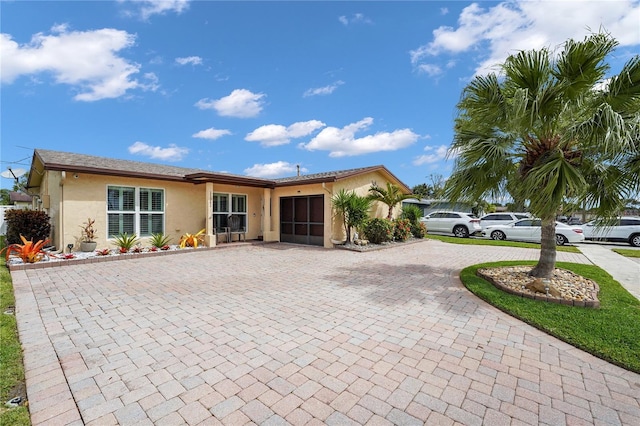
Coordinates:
[530,230]
[501,218]
[625,229]
[460,224]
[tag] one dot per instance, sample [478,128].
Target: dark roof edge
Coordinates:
[111,172]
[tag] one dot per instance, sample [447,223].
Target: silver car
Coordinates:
[460,224]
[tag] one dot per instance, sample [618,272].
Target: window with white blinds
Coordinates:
[134,210]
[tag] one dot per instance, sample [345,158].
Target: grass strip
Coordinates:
[11,366]
[487,242]
[610,333]
[627,252]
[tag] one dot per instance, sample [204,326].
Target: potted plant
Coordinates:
[87,239]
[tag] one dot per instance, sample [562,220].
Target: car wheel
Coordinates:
[561,240]
[498,235]
[634,240]
[461,231]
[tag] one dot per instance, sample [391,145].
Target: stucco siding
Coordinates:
[84,196]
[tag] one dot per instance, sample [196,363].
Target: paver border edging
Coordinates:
[48,393]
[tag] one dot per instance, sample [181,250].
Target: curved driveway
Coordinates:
[278,333]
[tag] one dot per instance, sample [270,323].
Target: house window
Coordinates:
[227,204]
[135,211]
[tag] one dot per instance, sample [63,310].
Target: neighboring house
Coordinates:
[428,206]
[144,198]
[20,200]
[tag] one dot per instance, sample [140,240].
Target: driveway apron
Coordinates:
[287,334]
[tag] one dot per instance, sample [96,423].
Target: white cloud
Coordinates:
[431,70]
[211,133]
[343,142]
[438,153]
[356,18]
[148,8]
[240,103]
[276,134]
[444,11]
[512,26]
[326,90]
[193,60]
[86,60]
[171,153]
[273,170]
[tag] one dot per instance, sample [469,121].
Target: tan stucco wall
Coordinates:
[78,196]
[84,196]
[297,191]
[333,227]
[254,205]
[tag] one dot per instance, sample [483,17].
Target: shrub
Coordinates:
[401,229]
[378,230]
[413,214]
[33,224]
[419,230]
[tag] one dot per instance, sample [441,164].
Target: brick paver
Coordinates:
[278,333]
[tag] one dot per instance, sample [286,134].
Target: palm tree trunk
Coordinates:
[547,262]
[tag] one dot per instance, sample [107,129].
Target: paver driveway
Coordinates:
[280,333]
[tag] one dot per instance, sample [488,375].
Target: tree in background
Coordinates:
[430,190]
[391,196]
[558,124]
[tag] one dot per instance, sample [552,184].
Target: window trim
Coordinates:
[230,211]
[137,211]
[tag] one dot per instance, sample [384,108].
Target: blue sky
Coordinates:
[256,88]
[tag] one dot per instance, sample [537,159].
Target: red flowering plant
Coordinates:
[402,229]
[103,252]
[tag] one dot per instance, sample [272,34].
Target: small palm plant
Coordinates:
[125,241]
[159,240]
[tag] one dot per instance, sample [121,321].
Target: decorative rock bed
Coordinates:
[59,259]
[573,289]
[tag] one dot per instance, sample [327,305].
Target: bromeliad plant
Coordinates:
[124,241]
[28,251]
[192,240]
[159,240]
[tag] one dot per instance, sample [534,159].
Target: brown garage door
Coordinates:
[302,220]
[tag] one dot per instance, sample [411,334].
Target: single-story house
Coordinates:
[144,198]
[429,205]
[20,200]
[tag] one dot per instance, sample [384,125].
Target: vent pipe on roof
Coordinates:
[298,167]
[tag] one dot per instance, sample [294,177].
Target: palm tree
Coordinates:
[390,196]
[557,122]
[352,209]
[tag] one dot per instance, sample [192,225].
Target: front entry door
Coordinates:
[302,220]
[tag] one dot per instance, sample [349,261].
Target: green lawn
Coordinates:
[628,252]
[610,333]
[484,242]
[11,368]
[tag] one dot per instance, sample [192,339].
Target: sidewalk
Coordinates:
[622,269]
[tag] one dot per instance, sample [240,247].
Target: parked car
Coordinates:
[501,218]
[530,230]
[574,221]
[460,224]
[624,229]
